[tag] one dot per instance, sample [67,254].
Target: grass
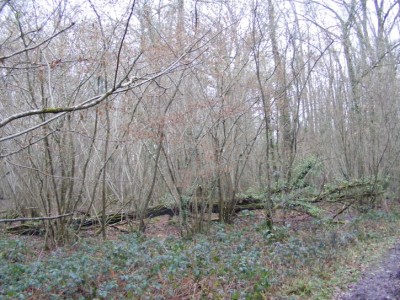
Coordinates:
[312,260]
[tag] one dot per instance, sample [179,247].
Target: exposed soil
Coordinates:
[380,282]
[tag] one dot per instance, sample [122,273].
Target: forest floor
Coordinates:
[355,258]
[381,281]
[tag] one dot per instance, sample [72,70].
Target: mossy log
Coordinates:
[23,219]
[348,193]
[113,218]
[29,228]
[36,228]
[162,210]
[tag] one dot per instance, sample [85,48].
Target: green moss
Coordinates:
[53,110]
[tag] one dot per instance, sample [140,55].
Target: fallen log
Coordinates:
[111,218]
[34,219]
[36,228]
[27,229]
[299,201]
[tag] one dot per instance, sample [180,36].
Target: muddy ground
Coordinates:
[380,282]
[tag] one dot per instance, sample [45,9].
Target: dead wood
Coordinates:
[34,219]
[306,203]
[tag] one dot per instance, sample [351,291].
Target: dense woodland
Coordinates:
[117,107]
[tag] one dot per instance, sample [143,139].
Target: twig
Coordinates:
[346,207]
[120,229]
[2,58]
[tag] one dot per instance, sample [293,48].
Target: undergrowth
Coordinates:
[241,261]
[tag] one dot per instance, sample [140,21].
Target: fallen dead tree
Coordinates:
[348,194]
[34,219]
[31,226]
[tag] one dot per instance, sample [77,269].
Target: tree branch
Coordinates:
[2,58]
[35,219]
[120,87]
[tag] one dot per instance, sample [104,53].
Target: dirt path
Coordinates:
[380,282]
